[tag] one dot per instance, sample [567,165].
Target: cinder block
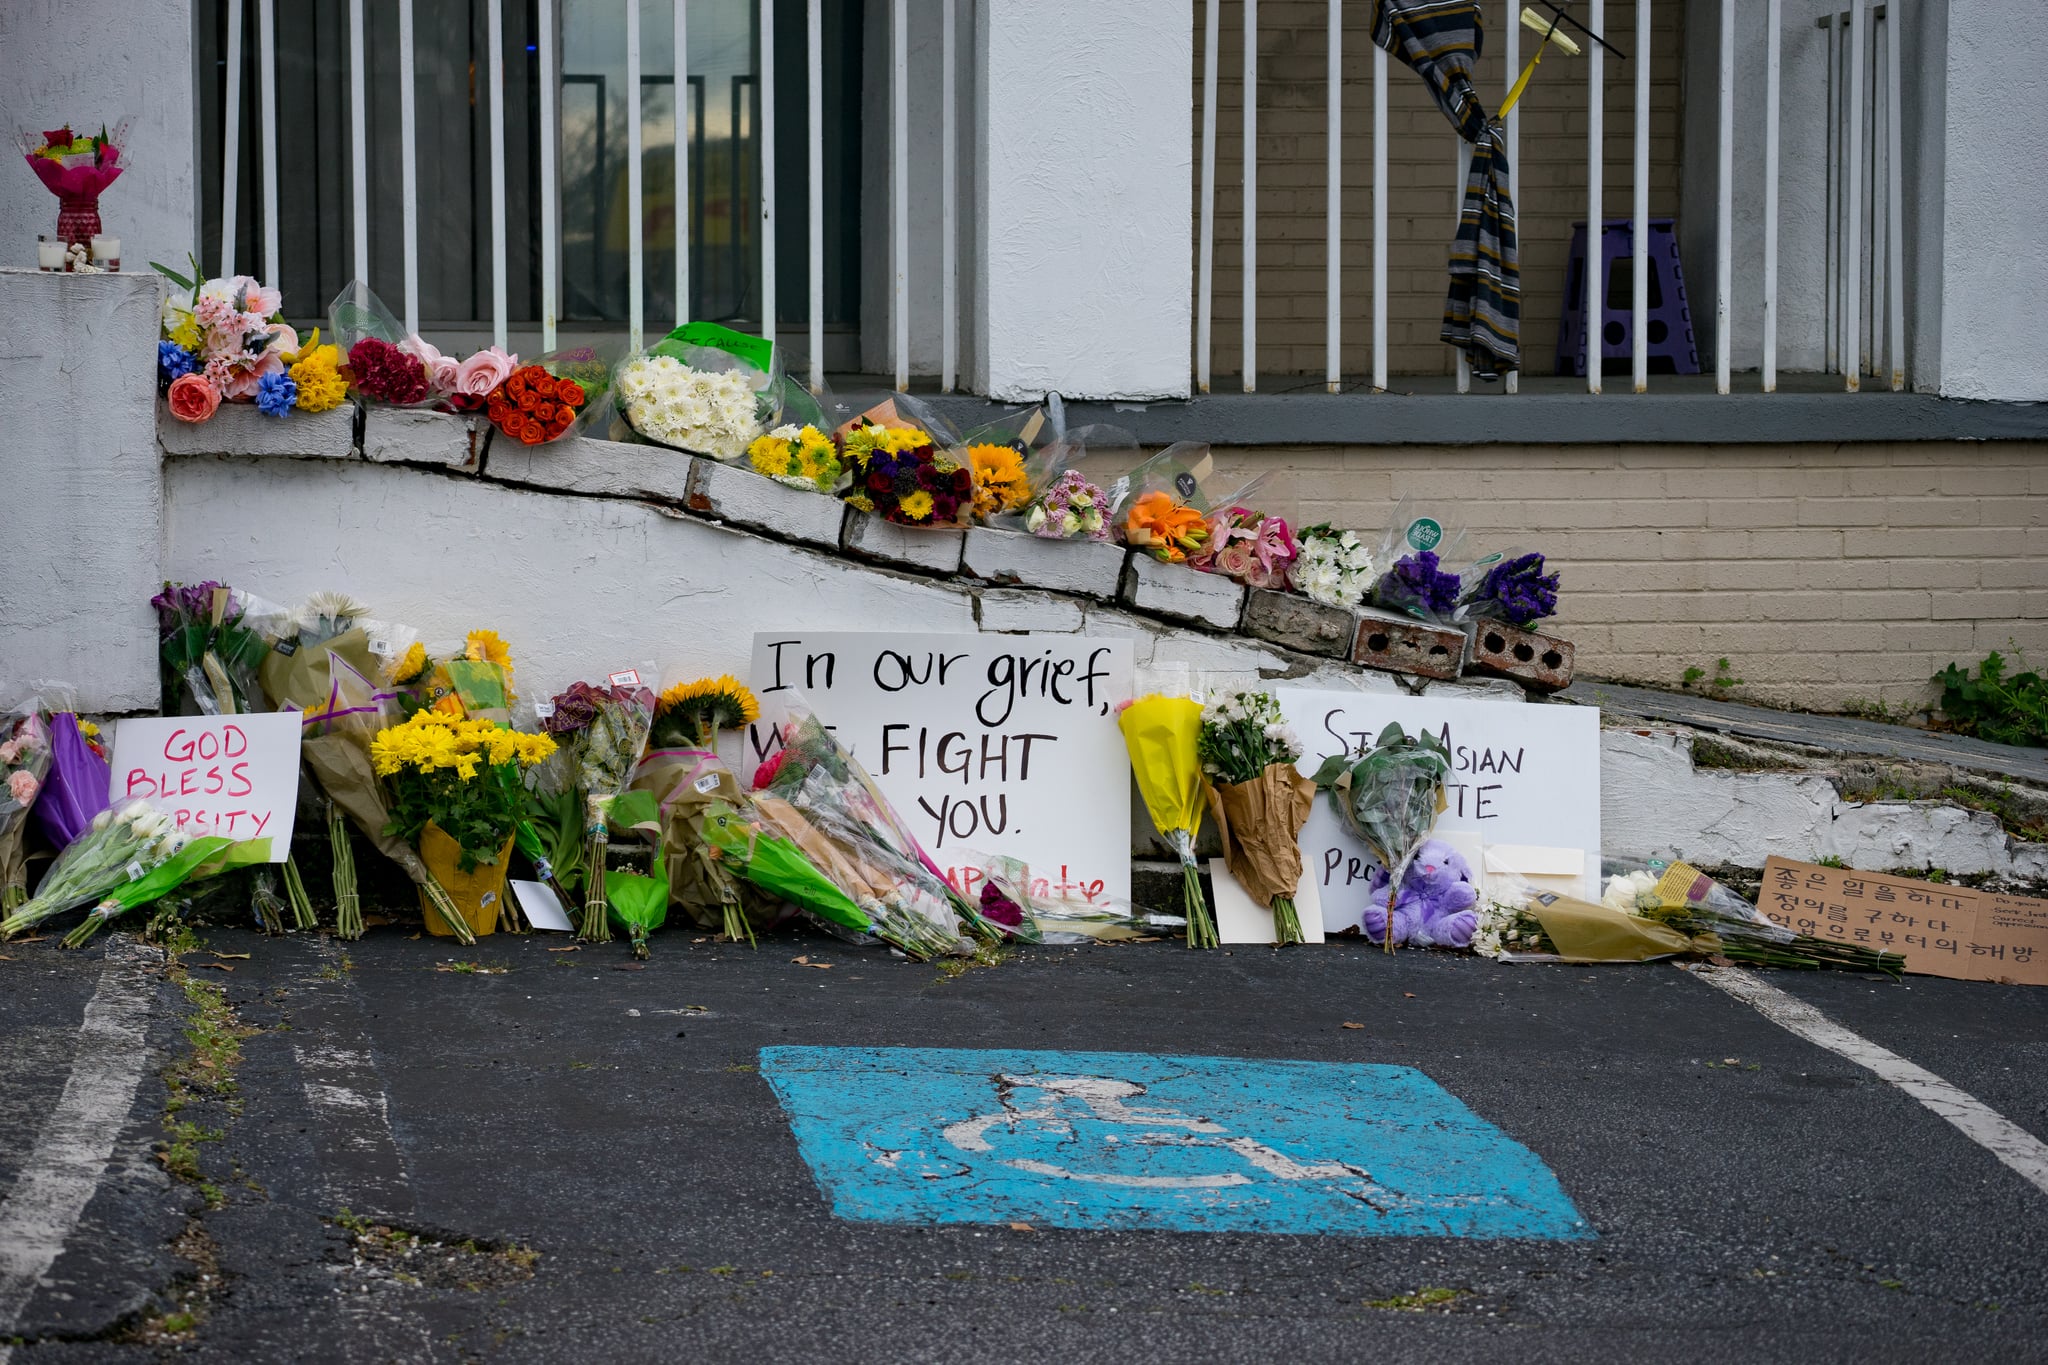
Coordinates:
[1090,568]
[1402,644]
[417,436]
[743,498]
[1288,619]
[240,429]
[1182,594]
[581,465]
[929,550]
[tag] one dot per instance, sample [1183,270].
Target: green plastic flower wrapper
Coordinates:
[778,865]
[1389,799]
[635,902]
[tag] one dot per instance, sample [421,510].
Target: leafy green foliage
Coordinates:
[1993,706]
[1390,796]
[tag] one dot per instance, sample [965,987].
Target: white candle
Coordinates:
[50,253]
[106,251]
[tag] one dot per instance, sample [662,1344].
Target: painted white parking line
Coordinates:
[77,1140]
[1983,1125]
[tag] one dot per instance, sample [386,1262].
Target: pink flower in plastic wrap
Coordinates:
[10,751]
[441,369]
[22,786]
[477,376]
[1235,560]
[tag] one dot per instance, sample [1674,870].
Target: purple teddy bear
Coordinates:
[1438,901]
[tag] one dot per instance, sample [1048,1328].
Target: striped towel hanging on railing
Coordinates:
[1441,40]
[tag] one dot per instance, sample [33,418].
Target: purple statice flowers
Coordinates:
[1418,585]
[1517,591]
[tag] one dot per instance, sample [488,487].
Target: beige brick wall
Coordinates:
[1293,136]
[1829,577]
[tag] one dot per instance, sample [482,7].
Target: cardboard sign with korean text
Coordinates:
[235,776]
[1941,930]
[985,744]
[1523,792]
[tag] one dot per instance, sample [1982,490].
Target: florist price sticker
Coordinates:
[235,776]
[985,744]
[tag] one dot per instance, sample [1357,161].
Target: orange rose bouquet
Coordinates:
[555,396]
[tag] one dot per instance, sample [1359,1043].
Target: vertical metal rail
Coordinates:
[1773,84]
[1205,262]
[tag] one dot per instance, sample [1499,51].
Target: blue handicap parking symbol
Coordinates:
[1134,1140]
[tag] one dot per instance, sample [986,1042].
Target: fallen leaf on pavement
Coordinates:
[572,948]
[39,938]
[217,966]
[806,962]
[1348,1024]
[1407,995]
[629,966]
[230,957]
[1021,1227]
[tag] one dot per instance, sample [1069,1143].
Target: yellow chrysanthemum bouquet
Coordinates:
[456,795]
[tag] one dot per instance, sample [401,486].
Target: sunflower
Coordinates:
[1000,484]
[484,647]
[692,713]
[408,666]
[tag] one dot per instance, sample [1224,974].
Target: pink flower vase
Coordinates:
[78,218]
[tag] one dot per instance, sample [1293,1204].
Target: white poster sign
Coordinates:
[1524,784]
[991,744]
[234,776]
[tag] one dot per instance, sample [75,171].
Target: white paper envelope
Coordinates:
[1560,870]
[543,908]
[1240,919]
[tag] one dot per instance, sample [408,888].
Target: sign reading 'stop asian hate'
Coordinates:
[985,744]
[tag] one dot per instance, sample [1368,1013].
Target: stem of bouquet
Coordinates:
[295,894]
[444,906]
[596,927]
[101,915]
[12,899]
[263,899]
[1286,923]
[640,941]
[735,923]
[1201,925]
[348,906]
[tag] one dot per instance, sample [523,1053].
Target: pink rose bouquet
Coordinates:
[1255,549]
[478,376]
[25,759]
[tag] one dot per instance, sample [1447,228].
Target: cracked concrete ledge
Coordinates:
[1656,801]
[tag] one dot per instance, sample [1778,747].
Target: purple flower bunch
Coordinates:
[1418,585]
[1518,591]
[575,708]
[998,908]
[182,604]
[1071,509]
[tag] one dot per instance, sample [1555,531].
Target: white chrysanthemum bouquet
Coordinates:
[1333,567]
[707,412]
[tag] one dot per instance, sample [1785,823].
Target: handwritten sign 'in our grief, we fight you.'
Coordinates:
[991,744]
[234,776]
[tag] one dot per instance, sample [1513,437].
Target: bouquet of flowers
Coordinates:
[702,388]
[1413,552]
[547,399]
[211,642]
[550,833]
[799,456]
[683,772]
[1002,894]
[111,851]
[904,471]
[458,386]
[227,340]
[904,897]
[1259,800]
[77,781]
[1071,508]
[1163,735]
[24,760]
[1721,923]
[1248,546]
[1013,458]
[456,795]
[1516,590]
[473,684]
[769,842]
[608,728]
[1164,508]
[1389,799]
[1334,567]
[77,168]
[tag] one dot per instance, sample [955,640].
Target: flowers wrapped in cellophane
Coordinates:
[211,643]
[605,729]
[897,886]
[24,762]
[78,779]
[388,365]
[552,397]
[226,340]
[1164,507]
[1258,798]
[1247,545]
[1512,587]
[906,466]
[1414,558]
[1014,458]
[1333,567]
[1389,798]
[1087,470]
[123,860]
[702,388]
[473,682]
[683,773]
[1162,733]
[77,168]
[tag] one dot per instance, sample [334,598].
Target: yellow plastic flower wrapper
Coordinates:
[1160,732]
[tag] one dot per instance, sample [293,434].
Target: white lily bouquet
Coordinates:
[114,850]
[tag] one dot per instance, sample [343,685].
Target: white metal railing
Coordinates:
[548,136]
[1854,342]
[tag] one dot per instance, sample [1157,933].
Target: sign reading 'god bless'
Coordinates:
[990,744]
[234,776]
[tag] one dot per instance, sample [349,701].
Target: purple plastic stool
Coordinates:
[1673,349]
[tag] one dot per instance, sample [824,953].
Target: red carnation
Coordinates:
[382,371]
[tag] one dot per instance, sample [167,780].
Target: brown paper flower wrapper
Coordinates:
[1260,822]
